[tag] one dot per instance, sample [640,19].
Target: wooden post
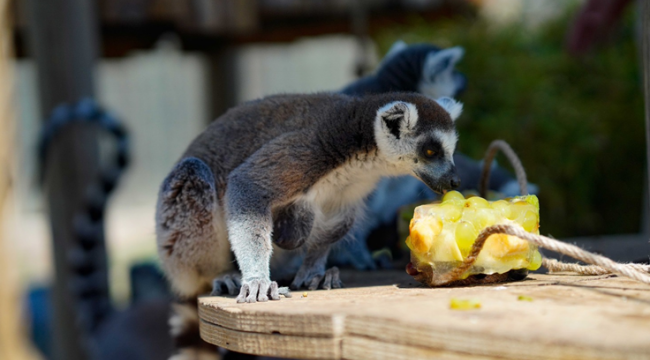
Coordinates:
[645,45]
[63,35]
[12,332]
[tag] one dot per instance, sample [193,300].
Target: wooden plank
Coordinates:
[277,345]
[258,320]
[596,317]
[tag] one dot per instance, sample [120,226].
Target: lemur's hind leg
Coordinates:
[312,273]
[226,284]
[190,249]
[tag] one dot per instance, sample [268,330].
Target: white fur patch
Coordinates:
[348,184]
[253,255]
[442,61]
[339,195]
[448,140]
[391,148]
[409,110]
[453,107]
[438,73]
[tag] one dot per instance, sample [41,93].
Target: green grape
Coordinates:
[502,208]
[477,203]
[455,202]
[529,221]
[466,233]
[452,195]
[519,209]
[472,217]
[536,261]
[480,218]
[449,212]
[533,200]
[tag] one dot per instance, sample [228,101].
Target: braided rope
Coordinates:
[491,152]
[575,252]
[554,266]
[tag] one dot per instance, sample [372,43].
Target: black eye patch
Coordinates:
[430,150]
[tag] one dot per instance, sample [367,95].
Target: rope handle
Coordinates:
[491,152]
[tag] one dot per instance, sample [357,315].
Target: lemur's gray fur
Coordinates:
[293,169]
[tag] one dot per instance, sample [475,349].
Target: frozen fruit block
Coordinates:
[442,235]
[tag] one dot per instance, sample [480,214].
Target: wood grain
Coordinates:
[570,317]
[277,345]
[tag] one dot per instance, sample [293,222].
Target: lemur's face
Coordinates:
[420,139]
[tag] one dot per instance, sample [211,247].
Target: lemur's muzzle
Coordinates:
[448,181]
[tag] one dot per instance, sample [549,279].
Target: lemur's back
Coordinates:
[243,130]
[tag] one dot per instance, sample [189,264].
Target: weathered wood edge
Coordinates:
[362,337]
[287,346]
[326,325]
[354,346]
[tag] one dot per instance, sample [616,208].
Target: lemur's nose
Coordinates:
[455,181]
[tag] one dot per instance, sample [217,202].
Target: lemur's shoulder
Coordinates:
[248,127]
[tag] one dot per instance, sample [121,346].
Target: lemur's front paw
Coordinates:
[312,279]
[226,284]
[260,290]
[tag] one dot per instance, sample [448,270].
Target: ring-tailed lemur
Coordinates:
[294,170]
[431,71]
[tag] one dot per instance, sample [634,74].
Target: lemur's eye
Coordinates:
[430,150]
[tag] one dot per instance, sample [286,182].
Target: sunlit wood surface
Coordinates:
[385,315]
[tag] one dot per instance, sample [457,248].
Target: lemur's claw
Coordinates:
[326,280]
[260,290]
[284,291]
[313,285]
[226,284]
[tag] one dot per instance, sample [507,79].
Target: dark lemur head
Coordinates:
[422,68]
[417,135]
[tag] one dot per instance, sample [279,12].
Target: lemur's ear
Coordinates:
[441,61]
[398,46]
[398,118]
[453,107]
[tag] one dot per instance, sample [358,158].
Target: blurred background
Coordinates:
[559,80]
